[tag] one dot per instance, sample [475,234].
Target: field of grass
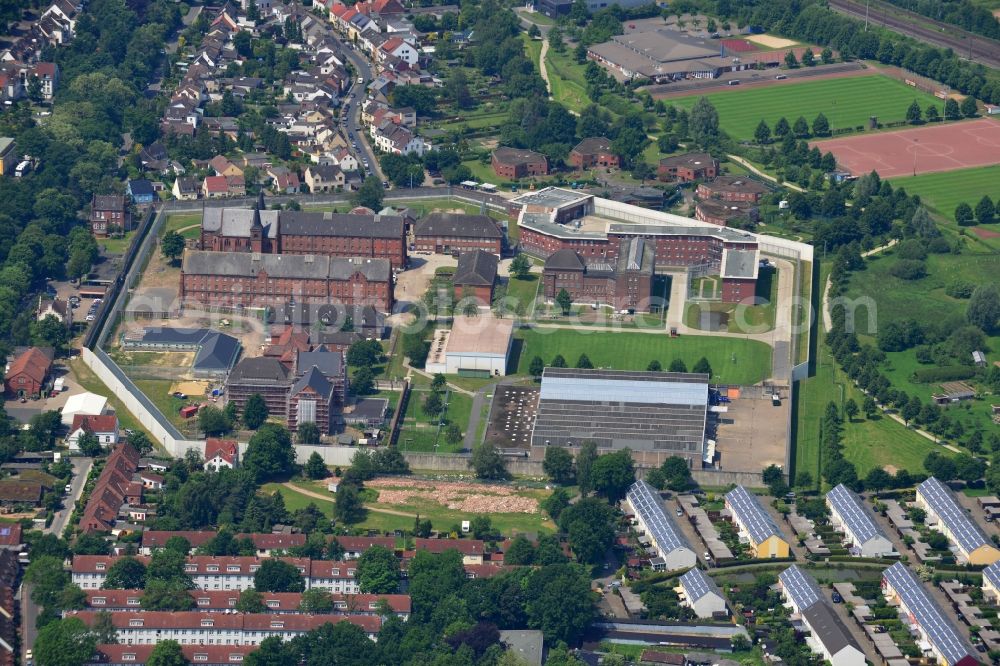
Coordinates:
[523,292]
[942,192]
[116,245]
[569,88]
[758,318]
[420,430]
[157,390]
[441,517]
[847,102]
[868,444]
[634,351]
[180,221]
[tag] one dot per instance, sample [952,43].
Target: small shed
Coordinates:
[187,411]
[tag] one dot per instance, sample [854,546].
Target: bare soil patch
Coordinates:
[456,495]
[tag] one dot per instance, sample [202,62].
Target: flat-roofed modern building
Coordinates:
[474,347]
[655,414]
[947,645]
[756,525]
[670,544]
[701,594]
[850,516]
[948,517]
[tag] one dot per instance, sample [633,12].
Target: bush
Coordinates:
[960,289]
[945,374]
[912,249]
[909,269]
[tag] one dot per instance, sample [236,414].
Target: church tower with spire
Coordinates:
[257,228]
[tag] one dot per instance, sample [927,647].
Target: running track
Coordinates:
[928,149]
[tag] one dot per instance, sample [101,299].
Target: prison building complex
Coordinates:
[554,219]
[755,524]
[237,280]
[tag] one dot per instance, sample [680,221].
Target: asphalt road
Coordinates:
[923,29]
[352,105]
[29,610]
[81,469]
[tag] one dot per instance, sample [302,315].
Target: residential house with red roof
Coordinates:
[27,374]
[104,427]
[114,488]
[221,453]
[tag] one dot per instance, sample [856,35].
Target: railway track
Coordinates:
[967,45]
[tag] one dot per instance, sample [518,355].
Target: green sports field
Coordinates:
[847,102]
[733,360]
[942,192]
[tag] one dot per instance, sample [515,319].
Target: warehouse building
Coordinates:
[850,516]
[945,642]
[473,347]
[701,594]
[673,550]
[659,414]
[945,514]
[756,525]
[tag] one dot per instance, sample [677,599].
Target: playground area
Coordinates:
[928,149]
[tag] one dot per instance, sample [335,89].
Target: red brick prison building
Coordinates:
[625,284]
[554,219]
[454,232]
[298,232]
[514,163]
[732,188]
[688,167]
[243,279]
[723,213]
[593,152]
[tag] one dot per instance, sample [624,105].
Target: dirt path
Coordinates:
[751,167]
[315,495]
[541,66]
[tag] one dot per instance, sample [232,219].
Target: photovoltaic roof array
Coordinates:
[992,574]
[801,587]
[851,510]
[940,631]
[943,503]
[696,585]
[752,514]
[646,502]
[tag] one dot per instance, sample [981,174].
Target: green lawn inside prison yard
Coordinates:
[189,222]
[847,103]
[420,430]
[634,351]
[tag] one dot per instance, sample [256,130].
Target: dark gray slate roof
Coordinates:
[259,369]
[458,225]
[218,352]
[315,380]
[236,222]
[564,260]
[828,629]
[477,269]
[337,338]
[244,264]
[329,363]
[299,223]
[367,409]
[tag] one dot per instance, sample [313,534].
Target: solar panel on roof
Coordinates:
[696,585]
[646,502]
[860,522]
[801,587]
[624,390]
[752,515]
[942,634]
[966,533]
[992,574]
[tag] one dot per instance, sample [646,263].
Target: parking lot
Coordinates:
[512,416]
